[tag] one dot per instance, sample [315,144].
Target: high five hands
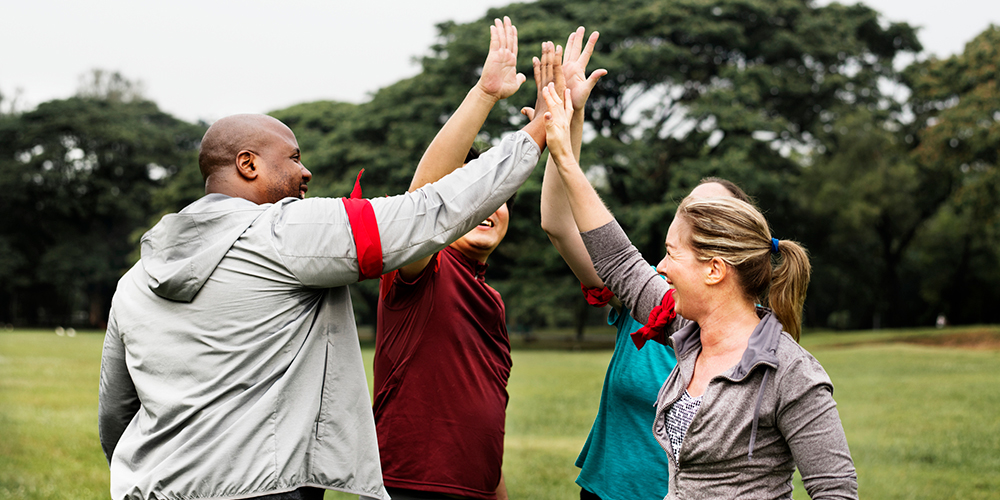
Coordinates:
[557,124]
[500,78]
[573,67]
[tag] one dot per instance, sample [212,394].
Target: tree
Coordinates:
[78,176]
[956,103]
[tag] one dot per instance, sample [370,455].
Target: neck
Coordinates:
[472,254]
[222,185]
[728,327]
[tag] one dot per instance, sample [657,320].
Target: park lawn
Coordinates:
[921,421]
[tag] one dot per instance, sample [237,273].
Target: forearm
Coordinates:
[450,146]
[319,243]
[422,222]
[588,209]
[557,218]
[502,489]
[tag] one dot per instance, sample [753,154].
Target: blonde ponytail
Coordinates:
[789,282]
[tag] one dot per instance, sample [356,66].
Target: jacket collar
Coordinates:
[761,348]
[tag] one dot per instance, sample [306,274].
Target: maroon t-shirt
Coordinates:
[442,359]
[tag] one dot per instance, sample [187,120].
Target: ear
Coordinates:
[247,164]
[716,271]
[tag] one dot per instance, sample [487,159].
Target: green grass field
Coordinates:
[922,420]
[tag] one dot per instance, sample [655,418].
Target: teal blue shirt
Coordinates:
[622,459]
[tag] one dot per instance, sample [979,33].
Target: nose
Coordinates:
[661,268]
[306,174]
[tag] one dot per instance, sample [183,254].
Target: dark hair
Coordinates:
[472,154]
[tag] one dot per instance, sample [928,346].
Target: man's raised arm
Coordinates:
[389,233]
[499,80]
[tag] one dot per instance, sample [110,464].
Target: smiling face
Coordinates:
[683,270]
[679,265]
[280,165]
[479,243]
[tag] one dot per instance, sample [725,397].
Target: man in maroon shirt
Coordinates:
[441,366]
[442,355]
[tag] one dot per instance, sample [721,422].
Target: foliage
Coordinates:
[921,421]
[896,201]
[957,106]
[78,176]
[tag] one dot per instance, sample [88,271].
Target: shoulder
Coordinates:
[798,370]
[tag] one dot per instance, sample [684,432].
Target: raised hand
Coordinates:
[500,78]
[574,67]
[548,69]
[557,124]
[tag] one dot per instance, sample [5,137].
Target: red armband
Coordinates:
[659,318]
[597,297]
[365,228]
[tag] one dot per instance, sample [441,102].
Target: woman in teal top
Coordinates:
[620,449]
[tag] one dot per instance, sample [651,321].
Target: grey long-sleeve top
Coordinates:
[231,365]
[758,421]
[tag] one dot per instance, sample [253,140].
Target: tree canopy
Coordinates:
[78,176]
[896,200]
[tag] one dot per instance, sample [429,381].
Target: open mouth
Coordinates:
[302,190]
[486,223]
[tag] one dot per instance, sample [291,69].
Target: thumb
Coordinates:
[595,76]
[529,112]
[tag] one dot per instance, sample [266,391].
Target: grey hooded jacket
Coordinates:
[231,365]
[772,412]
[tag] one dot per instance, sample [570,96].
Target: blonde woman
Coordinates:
[746,404]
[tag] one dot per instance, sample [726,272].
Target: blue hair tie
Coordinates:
[774,245]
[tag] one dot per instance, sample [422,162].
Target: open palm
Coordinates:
[575,60]
[500,78]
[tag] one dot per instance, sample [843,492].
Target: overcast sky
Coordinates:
[205,59]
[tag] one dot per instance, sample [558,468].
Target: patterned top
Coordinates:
[679,418]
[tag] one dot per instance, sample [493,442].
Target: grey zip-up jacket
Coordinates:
[772,412]
[231,365]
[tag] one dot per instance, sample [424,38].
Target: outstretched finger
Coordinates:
[553,97]
[560,78]
[589,49]
[574,44]
[547,53]
[550,101]
[514,45]
[595,76]
[509,38]
[537,66]
[501,35]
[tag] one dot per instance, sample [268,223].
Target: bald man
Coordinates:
[231,364]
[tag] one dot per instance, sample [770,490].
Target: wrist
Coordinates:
[563,157]
[478,92]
